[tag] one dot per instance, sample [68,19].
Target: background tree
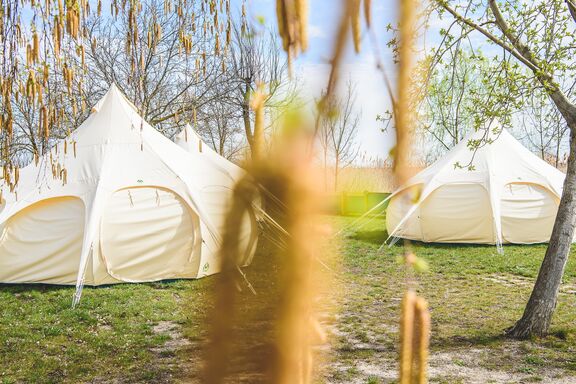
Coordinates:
[178,62]
[43,59]
[222,129]
[544,129]
[338,131]
[255,61]
[461,97]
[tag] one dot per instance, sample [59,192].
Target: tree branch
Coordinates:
[489,35]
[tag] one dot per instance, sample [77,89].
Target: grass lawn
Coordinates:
[153,333]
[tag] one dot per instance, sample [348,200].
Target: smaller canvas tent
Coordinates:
[229,173]
[508,195]
[116,201]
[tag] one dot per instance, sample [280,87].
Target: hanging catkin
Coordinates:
[356,30]
[406,337]
[302,15]
[423,322]
[35,47]
[368,12]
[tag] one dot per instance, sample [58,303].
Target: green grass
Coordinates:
[44,340]
[474,294]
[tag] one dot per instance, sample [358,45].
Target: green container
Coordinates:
[355,204]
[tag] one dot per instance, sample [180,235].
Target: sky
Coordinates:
[311,68]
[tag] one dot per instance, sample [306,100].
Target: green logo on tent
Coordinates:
[206,267]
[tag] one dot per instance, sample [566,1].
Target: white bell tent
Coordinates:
[507,195]
[116,201]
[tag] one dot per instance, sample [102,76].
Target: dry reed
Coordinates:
[415,318]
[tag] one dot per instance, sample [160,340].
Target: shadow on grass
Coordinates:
[35,287]
[41,287]
[467,341]
[379,237]
[372,237]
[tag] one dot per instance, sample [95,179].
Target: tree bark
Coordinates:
[538,312]
[336,166]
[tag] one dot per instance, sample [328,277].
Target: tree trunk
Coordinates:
[538,312]
[336,165]
[325,172]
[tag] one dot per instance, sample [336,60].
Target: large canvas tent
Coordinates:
[115,201]
[498,193]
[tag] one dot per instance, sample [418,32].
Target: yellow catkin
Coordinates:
[28,55]
[45,74]
[31,87]
[356,30]
[282,27]
[407,337]
[368,12]
[56,36]
[302,15]
[82,55]
[423,323]
[35,47]
[44,121]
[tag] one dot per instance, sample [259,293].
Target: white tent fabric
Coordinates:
[116,201]
[508,195]
[189,139]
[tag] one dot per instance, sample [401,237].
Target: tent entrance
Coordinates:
[42,243]
[458,213]
[147,234]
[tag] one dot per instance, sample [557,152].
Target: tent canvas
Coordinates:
[498,193]
[190,140]
[115,201]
